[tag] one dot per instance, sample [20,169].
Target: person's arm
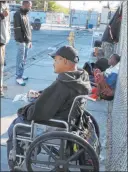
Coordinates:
[3,14]
[19,36]
[111,79]
[48,104]
[27,32]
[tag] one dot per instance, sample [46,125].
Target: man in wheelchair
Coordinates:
[56,100]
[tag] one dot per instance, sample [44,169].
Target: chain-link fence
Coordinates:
[117,123]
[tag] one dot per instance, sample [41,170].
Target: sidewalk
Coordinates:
[41,75]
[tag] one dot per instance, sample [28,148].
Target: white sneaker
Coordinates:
[24,77]
[20,82]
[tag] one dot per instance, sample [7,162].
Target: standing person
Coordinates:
[22,33]
[111,34]
[4,37]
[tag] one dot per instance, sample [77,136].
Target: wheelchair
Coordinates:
[59,146]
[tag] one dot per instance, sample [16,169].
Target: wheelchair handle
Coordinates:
[86,97]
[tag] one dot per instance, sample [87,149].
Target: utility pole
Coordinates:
[45,6]
[70,14]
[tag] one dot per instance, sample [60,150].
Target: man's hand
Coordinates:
[5,13]
[33,94]
[30,45]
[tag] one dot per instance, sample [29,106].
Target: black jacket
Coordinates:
[112,31]
[56,100]
[22,28]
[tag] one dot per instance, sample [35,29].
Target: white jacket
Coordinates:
[5,31]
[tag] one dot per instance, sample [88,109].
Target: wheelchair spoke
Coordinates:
[62,149]
[49,152]
[61,152]
[77,154]
[54,150]
[53,170]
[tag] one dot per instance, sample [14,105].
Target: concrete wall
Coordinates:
[117,122]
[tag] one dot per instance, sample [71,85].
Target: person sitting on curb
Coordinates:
[98,53]
[106,81]
[56,100]
[97,43]
[101,64]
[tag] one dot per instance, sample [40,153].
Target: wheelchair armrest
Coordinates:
[60,122]
[54,123]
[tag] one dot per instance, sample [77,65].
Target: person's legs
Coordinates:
[103,87]
[25,57]
[20,63]
[2,54]
[10,135]
[108,49]
[26,52]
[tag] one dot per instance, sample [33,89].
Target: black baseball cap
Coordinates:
[67,52]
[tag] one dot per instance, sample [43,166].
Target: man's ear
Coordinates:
[65,61]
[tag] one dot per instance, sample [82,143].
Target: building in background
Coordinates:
[88,19]
[56,18]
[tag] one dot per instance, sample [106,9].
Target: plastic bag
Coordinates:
[31,96]
[21,97]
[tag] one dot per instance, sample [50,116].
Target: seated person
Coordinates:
[98,53]
[106,81]
[97,43]
[101,64]
[56,100]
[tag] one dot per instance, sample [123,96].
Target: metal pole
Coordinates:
[70,17]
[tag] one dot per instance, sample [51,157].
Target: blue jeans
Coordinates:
[21,59]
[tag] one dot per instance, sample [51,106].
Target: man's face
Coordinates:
[59,64]
[28,6]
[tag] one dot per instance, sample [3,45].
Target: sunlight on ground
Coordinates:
[5,123]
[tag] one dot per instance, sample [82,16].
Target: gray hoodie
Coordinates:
[56,100]
[4,25]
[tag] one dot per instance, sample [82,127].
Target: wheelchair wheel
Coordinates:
[71,153]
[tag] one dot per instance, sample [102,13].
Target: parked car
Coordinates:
[37,18]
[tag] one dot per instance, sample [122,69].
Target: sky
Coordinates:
[86,5]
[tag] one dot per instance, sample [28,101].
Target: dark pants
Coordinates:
[19,119]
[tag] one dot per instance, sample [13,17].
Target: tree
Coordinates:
[38,4]
[18,1]
[53,6]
